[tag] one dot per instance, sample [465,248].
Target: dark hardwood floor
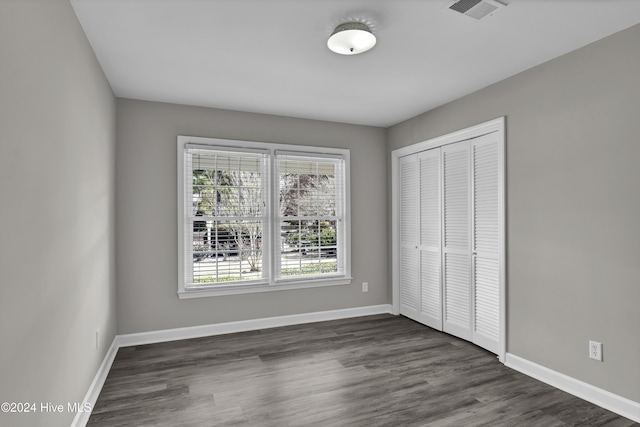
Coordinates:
[367,371]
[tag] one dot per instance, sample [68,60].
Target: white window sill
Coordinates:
[219,290]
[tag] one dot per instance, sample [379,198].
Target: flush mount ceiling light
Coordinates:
[351,38]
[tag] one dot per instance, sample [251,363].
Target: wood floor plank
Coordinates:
[378,370]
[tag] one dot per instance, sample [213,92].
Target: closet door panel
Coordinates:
[457,318]
[451,235]
[430,244]
[409,238]
[486,241]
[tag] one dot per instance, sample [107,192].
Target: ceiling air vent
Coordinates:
[476,9]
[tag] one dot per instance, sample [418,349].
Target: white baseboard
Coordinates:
[128,340]
[614,403]
[91,397]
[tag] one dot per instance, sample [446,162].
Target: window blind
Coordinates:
[261,216]
[311,215]
[226,215]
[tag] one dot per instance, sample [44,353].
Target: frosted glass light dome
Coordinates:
[351,38]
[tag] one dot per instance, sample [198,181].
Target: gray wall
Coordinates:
[57,215]
[573,207]
[147,248]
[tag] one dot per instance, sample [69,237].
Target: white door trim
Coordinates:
[496,125]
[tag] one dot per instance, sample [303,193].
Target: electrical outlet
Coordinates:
[595,350]
[365,286]
[97,339]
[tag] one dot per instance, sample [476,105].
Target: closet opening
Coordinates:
[448,234]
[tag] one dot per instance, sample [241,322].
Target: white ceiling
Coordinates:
[270,56]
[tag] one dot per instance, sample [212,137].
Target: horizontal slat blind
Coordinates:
[225,215]
[311,215]
[257,216]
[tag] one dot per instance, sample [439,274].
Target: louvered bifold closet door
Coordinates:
[409,234]
[486,241]
[457,307]
[430,245]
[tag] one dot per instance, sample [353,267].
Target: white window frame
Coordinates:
[272,223]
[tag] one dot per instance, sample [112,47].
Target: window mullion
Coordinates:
[266,218]
[188,188]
